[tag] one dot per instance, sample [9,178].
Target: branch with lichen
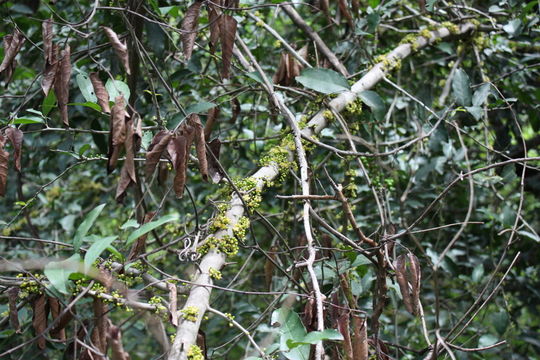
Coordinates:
[215,259]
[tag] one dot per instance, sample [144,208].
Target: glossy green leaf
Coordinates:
[49,103]
[200,108]
[86,87]
[375,103]
[90,105]
[87,223]
[481,94]
[290,328]
[316,336]
[28,120]
[461,87]
[58,272]
[96,249]
[325,81]
[116,88]
[144,229]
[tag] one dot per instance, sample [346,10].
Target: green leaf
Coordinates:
[116,88]
[480,95]
[131,223]
[86,87]
[290,328]
[375,103]
[487,340]
[95,251]
[28,120]
[255,75]
[475,111]
[513,28]
[461,87]
[82,230]
[58,272]
[149,227]
[316,336]
[90,105]
[325,81]
[49,103]
[199,108]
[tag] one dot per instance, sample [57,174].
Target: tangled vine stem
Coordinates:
[199,295]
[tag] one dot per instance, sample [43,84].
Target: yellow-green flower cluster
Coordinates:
[160,308]
[30,286]
[240,228]
[190,313]
[388,63]
[221,222]
[355,107]
[453,28]
[195,353]
[214,273]
[227,245]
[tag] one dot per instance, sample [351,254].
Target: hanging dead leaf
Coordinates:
[214,170]
[155,151]
[16,137]
[51,68]
[4,158]
[289,68]
[61,84]
[47,34]
[360,340]
[213,114]
[62,322]
[310,314]
[101,92]
[227,35]
[214,20]
[117,132]
[179,154]
[381,349]
[12,46]
[13,296]
[343,324]
[54,306]
[119,47]
[200,144]
[408,276]
[139,247]
[115,341]
[137,131]
[39,319]
[189,28]
[127,174]
[201,343]
[163,173]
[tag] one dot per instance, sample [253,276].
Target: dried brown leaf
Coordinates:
[39,319]
[214,20]
[54,306]
[4,158]
[201,343]
[235,109]
[16,137]
[189,28]
[214,170]
[139,247]
[115,341]
[310,316]
[344,9]
[178,151]
[47,34]
[213,114]
[119,47]
[101,92]
[163,173]
[200,144]
[343,324]
[408,276]
[359,340]
[51,68]
[173,298]
[415,276]
[127,175]
[155,150]
[13,296]
[117,131]
[227,35]
[12,46]
[61,84]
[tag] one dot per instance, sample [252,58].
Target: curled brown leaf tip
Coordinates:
[117,135]
[227,34]
[4,158]
[15,136]
[101,92]
[12,46]
[61,84]
[119,47]
[156,150]
[200,144]
[189,28]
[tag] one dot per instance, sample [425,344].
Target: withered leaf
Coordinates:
[4,158]
[178,151]
[117,135]
[101,92]
[140,245]
[49,74]
[13,295]
[173,298]
[344,9]
[408,276]
[39,320]
[115,341]
[214,170]
[360,340]
[309,320]
[200,144]
[189,28]
[163,173]
[201,343]
[119,47]
[61,84]
[47,34]
[214,20]
[127,175]
[213,114]
[137,132]
[54,306]
[155,151]
[12,46]
[343,324]
[16,137]
[227,35]
[235,109]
